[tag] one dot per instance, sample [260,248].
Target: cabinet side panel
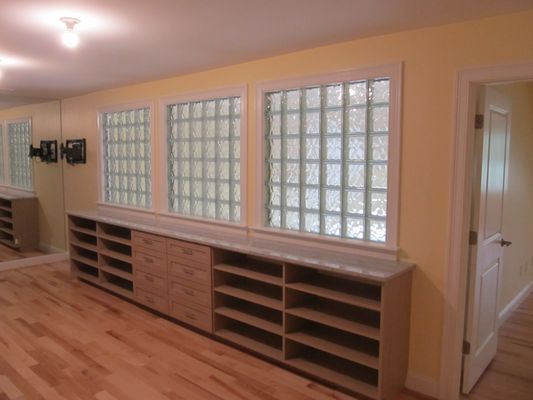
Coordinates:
[395,322]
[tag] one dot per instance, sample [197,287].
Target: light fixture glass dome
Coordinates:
[70,38]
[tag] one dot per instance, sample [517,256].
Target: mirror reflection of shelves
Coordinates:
[19,222]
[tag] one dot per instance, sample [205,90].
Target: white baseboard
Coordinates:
[514,303]
[30,261]
[422,384]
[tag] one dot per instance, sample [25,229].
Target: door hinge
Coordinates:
[466,347]
[472,239]
[479,121]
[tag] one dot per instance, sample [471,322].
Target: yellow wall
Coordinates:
[48,179]
[517,270]
[431,58]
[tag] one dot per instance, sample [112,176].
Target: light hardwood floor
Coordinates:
[64,340]
[9,254]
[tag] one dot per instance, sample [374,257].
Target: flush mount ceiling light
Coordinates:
[70,38]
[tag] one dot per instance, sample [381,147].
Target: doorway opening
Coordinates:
[501,226]
[456,278]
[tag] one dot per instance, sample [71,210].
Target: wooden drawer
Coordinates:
[156,265]
[150,282]
[198,316]
[201,275]
[188,291]
[189,251]
[149,241]
[151,300]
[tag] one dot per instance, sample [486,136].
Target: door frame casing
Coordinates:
[455,279]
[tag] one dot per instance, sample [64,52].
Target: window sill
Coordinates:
[17,190]
[340,245]
[203,223]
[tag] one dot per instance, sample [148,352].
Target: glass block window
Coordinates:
[326,159]
[203,150]
[126,150]
[20,164]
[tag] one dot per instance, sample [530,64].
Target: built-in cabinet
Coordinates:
[19,222]
[348,331]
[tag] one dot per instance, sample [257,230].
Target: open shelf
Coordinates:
[117,284]
[334,287]
[341,316]
[81,237]
[342,344]
[250,337]
[264,297]
[7,220]
[82,254]
[113,232]
[115,266]
[253,314]
[84,223]
[7,230]
[116,250]
[83,270]
[6,205]
[253,268]
[82,230]
[324,366]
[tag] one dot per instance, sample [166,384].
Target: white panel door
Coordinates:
[486,256]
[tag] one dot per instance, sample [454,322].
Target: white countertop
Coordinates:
[358,266]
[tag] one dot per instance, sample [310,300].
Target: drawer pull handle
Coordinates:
[189,252]
[148,260]
[189,315]
[148,242]
[188,271]
[188,292]
[148,278]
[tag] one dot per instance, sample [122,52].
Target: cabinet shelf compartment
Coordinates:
[115,266]
[338,371]
[249,337]
[338,315]
[83,270]
[117,284]
[79,222]
[82,254]
[116,250]
[83,238]
[342,344]
[253,314]
[5,205]
[252,268]
[334,287]
[113,232]
[6,215]
[6,221]
[6,229]
[250,290]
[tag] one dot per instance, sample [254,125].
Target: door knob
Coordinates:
[505,243]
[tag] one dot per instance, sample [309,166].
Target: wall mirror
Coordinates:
[31,189]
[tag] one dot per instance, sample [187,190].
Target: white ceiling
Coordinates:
[128,41]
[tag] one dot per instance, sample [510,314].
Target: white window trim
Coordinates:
[390,247]
[239,91]
[7,184]
[101,203]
